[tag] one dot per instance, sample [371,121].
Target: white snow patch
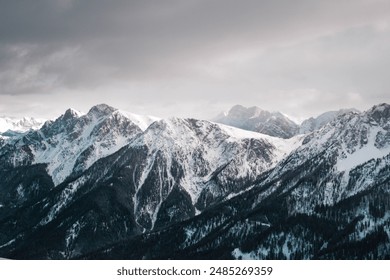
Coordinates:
[7,244]
[285,250]
[366,153]
[72,233]
[238,254]
[189,233]
[283,146]
[143,122]
[328,193]
[20,191]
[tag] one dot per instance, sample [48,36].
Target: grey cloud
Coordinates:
[187,51]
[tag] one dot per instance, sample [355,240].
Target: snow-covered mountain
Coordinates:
[170,172]
[19,125]
[186,188]
[205,161]
[73,142]
[313,124]
[11,128]
[275,123]
[258,120]
[328,199]
[339,177]
[335,153]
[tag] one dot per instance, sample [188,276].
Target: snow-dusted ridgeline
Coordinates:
[185,187]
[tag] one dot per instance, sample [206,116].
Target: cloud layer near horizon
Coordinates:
[194,57]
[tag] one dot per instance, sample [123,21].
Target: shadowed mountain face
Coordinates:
[190,189]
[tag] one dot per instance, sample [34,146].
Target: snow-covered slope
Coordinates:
[178,167]
[329,199]
[207,161]
[335,192]
[171,172]
[142,121]
[186,187]
[258,120]
[343,158]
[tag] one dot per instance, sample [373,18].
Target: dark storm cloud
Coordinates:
[240,51]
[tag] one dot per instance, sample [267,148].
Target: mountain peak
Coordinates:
[259,120]
[314,123]
[70,114]
[237,108]
[380,113]
[380,108]
[239,111]
[101,110]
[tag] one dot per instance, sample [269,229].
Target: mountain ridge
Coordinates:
[304,208]
[187,188]
[258,120]
[275,123]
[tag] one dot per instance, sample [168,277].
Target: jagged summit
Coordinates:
[73,142]
[380,107]
[380,113]
[70,114]
[20,125]
[101,110]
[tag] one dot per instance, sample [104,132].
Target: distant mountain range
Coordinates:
[113,185]
[274,123]
[313,124]
[19,125]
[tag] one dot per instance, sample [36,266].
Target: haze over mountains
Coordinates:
[110,184]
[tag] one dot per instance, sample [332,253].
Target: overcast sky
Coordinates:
[193,57]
